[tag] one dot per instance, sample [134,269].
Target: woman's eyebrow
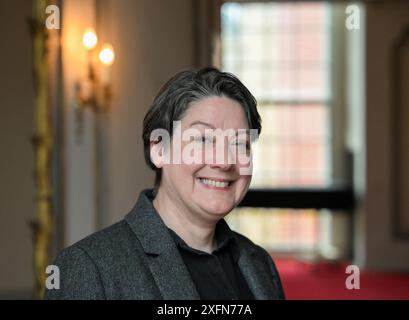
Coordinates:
[202,123]
[237,133]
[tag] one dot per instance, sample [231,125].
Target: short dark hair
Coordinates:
[176,95]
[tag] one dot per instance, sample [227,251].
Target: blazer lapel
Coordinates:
[172,277]
[256,275]
[165,263]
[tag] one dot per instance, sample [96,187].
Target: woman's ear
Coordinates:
[157,153]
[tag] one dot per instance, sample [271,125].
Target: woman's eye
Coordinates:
[204,139]
[242,146]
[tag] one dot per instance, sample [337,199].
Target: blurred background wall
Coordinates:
[160,44]
[16,161]
[386,25]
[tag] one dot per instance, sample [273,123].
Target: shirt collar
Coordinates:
[223,234]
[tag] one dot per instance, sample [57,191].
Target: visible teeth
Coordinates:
[214,183]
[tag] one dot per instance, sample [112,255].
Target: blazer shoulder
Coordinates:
[76,268]
[107,238]
[103,248]
[93,265]
[112,247]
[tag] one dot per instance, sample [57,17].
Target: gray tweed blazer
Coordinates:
[137,258]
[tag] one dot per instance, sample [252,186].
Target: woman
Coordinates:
[174,244]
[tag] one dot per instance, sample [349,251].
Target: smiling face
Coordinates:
[211,189]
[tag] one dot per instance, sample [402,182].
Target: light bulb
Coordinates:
[89,39]
[107,55]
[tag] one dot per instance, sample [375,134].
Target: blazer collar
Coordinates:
[165,263]
[146,223]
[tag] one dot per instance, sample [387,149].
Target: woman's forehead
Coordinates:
[215,112]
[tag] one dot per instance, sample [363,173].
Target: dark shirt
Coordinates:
[217,275]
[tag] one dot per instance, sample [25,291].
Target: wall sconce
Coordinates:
[95,91]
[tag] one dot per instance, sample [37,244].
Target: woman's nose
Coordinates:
[222,158]
[225,166]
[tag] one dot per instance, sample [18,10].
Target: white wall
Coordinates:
[79,184]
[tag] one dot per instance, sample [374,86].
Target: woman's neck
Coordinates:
[197,233]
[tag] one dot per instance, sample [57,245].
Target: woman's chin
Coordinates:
[218,210]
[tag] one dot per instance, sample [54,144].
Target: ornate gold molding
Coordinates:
[42,142]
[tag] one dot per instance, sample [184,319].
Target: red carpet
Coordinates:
[306,281]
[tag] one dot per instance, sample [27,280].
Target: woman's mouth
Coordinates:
[215,184]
